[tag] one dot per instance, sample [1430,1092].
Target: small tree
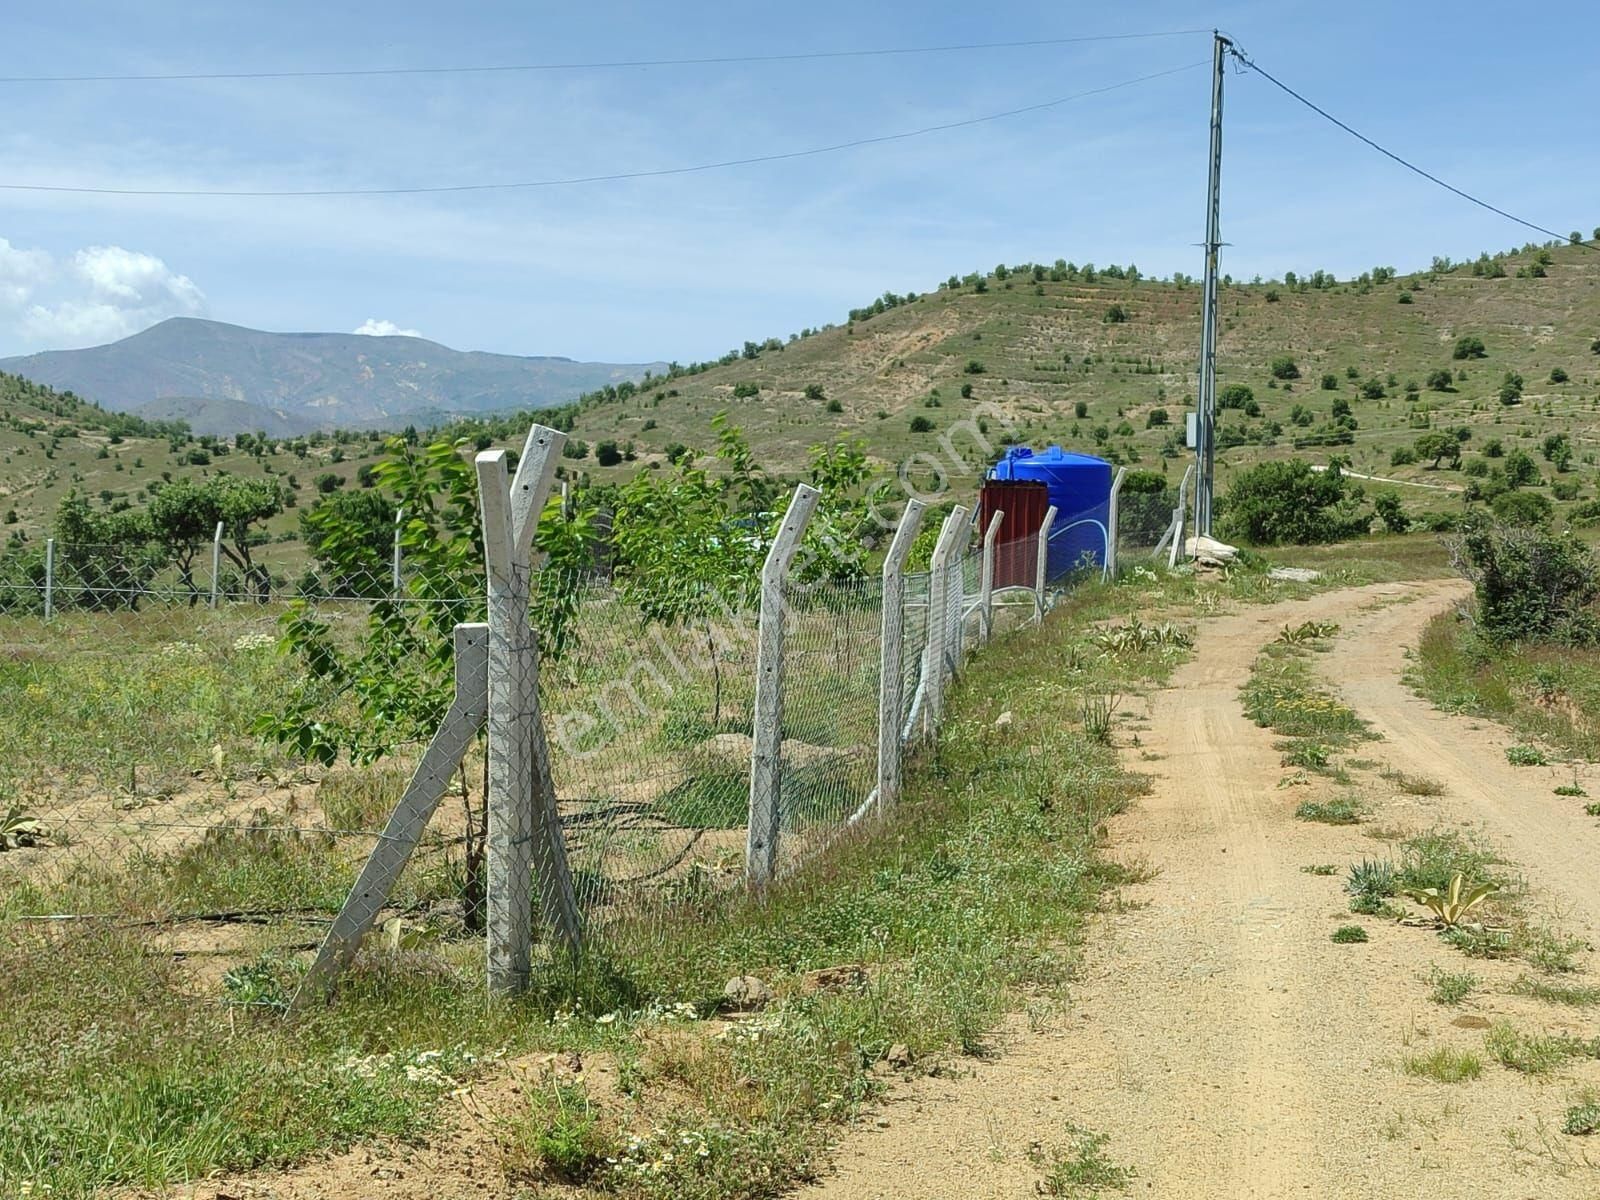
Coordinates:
[1510,389]
[1521,470]
[1330,382]
[1115,315]
[1469,345]
[1558,375]
[1283,367]
[1532,584]
[1439,446]
[813,391]
[606,453]
[1288,502]
[920,424]
[1372,389]
[1440,380]
[1391,512]
[1235,395]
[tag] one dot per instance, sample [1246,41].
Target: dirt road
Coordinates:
[1219,1037]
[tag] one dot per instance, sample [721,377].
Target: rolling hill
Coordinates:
[1107,365]
[1097,362]
[227,379]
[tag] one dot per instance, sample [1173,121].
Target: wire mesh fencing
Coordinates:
[213,755]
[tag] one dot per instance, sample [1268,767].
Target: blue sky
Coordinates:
[686,267]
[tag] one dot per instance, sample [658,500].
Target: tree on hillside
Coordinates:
[1441,380]
[1531,584]
[104,557]
[1287,502]
[1283,367]
[1469,346]
[1439,446]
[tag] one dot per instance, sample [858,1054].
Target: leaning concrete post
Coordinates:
[940,591]
[410,818]
[394,557]
[216,563]
[49,578]
[524,825]
[1041,568]
[1111,524]
[986,581]
[892,655]
[766,748]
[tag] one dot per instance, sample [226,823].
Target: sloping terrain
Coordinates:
[1032,351]
[305,381]
[1222,1043]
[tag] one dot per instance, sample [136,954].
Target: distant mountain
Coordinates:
[227,379]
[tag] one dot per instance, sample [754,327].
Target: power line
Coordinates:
[1408,165]
[610,177]
[718,60]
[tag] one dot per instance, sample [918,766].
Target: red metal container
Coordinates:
[1016,548]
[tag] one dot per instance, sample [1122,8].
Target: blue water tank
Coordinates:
[1080,489]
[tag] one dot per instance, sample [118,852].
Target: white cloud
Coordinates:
[373,327]
[107,293]
[21,272]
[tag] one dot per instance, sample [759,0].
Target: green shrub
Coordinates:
[920,424]
[1347,935]
[1275,503]
[1522,508]
[1532,584]
[1469,346]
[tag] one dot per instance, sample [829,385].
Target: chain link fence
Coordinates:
[139,784]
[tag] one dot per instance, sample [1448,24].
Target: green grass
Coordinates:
[118,1070]
[1451,987]
[1081,1170]
[1583,1117]
[1529,1053]
[1342,810]
[1548,694]
[1573,994]
[1444,1064]
[1347,935]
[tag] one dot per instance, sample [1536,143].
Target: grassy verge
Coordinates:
[119,1066]
[1544,693]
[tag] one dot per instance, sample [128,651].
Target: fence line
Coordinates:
[680,761]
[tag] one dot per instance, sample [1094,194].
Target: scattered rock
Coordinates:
[1208,552]
[746,992]
[899,1056]
[1295,574]
[1003,721]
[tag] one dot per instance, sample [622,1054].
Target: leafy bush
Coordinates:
[974,367]
[1347,935]
[1469,346]
[920,424]
[1532,584]
[1287,502]
[1115,315]
[1510,389]
[813,391]
[1557,375]
[1522,508]
[1402,456]
[1440,380]
[1372,389]
[1235,395]
[1283,367]
[1330,382]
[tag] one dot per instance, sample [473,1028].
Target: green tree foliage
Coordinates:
[1440,380]
[1115,315]
[1440,446]
[1522,508]
[351,538]
[1235,395]
[1532,584]
[1558,375]
[1330,382]
[1283,367]
[1521,470]
[1391,512]
[1287,502]
[1469,345]
[1510,389]
[920,424]
[1372,389]
[606,453]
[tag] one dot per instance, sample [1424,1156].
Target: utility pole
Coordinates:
[1206,407]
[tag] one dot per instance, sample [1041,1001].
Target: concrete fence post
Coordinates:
[394,565]
[892,655]
[986,580]
[525,840]
[216,564]
[766,744]
[49,578]
[1112,519]
[940,590]
[1042,563]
